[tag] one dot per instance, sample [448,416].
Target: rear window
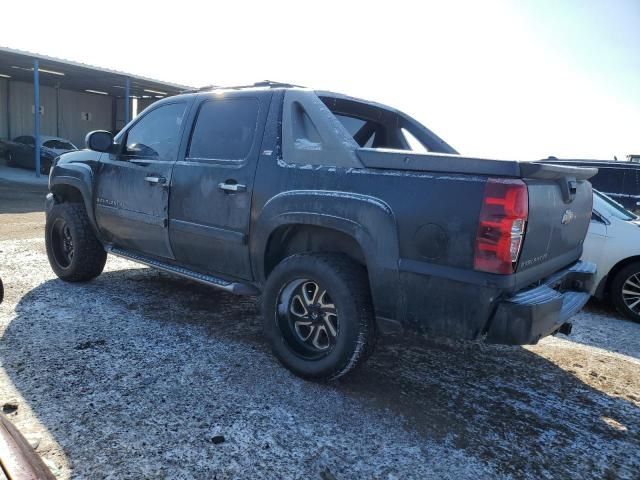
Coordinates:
[26,140]
[225,129]
[374,127]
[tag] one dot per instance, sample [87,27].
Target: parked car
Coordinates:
[619,180]
[21,152]
[318,202]
[613,243]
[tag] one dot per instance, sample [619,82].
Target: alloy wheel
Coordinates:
[308,318]
[631,293]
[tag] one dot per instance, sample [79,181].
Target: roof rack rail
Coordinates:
[263,83]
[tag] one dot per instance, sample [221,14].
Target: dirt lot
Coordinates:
[135,374]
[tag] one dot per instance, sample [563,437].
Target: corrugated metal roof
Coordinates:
[18,65]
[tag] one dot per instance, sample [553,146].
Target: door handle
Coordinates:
[232,187]
[156,180]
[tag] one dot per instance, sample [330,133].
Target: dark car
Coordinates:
[349,218]
[21,152]
[619,180]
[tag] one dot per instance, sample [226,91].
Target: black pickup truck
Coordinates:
[349,218]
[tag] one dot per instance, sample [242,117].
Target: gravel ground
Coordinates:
[139,375]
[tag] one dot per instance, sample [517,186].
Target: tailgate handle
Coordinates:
[569,189]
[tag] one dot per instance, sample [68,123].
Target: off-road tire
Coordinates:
[89,256]
[347,284]
[615,291]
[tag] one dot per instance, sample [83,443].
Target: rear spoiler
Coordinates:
[452,163]
[552,171]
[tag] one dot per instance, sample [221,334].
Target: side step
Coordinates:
[232,287]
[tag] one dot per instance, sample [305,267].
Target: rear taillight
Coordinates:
[503,221]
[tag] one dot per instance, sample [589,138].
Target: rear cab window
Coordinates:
[372,126]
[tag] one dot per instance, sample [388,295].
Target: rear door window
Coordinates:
[225,129]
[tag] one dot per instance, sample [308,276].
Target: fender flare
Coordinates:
[80,177]
[366,219]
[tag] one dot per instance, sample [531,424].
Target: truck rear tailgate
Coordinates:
[560,203]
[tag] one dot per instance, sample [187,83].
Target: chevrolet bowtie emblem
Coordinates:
[568,217]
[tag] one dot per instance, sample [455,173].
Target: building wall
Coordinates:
[68,114]
[21,109]
[79,113]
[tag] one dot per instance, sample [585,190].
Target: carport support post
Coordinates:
[127,99]
[36,113]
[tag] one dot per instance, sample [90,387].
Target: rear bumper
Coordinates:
[529,315]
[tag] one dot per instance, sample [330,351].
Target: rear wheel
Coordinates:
[318,315]
[74,252]
[625,291]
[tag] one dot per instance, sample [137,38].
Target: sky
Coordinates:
[518,79]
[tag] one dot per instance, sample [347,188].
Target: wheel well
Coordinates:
[616,268]
[67,193]
[291,239]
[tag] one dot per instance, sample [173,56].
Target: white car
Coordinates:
[613,244]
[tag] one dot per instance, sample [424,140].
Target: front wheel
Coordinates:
[318,315]
[11,162]
[625,291]
[74,252]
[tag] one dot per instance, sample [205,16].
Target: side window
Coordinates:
[632,181]
[225,129]
[157,134]
[608,180]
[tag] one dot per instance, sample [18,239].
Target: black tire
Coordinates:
[68,226]
[625,280]
[342,284]
[10,161]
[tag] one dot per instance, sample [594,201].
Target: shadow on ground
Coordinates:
[140,365]
[602,326]
[21,198]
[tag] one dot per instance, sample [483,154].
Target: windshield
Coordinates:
[610,208]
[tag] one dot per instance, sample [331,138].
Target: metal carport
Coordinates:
[73,98]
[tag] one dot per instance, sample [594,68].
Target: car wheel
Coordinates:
[74,252]
[318,315]
[625,291]
[10,160]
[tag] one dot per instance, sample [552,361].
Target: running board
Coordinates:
[232,287]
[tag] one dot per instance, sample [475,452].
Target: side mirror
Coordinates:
[100,141]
